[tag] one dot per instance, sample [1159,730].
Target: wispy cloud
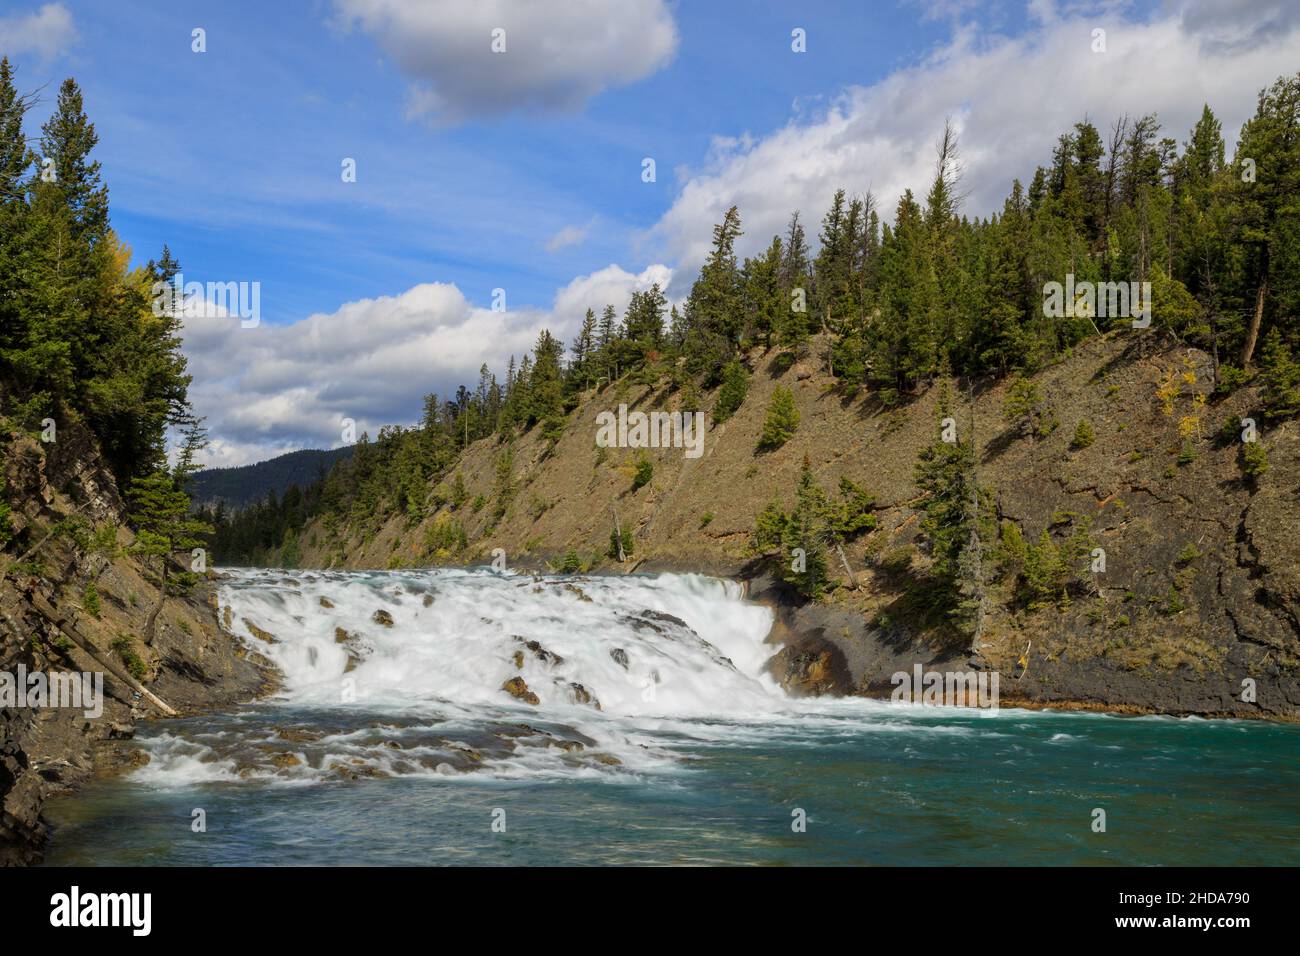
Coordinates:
[568,236]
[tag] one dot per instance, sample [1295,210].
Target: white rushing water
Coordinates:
[408,673]
[679,645]
[621,668]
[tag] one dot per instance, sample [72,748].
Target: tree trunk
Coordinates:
[152,620]
[839,549]
[618,536]
[1252,333]
[57,618]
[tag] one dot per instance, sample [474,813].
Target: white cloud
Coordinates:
[274,388]
[45,33]
[1010,98]
[568,236]
[270,389]
[557,56]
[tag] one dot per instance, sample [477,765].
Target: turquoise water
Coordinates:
[1016,789]
[644,730]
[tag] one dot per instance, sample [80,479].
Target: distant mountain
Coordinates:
[248,484]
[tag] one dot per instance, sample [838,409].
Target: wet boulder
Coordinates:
[518,689]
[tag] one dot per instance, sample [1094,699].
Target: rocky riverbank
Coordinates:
[73,599]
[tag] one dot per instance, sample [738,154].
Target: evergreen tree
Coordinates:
[781,422]
[1266,213]
[713,307]
[945,474]
[583,347]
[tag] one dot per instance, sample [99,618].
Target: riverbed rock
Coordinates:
[538,651]
[581,695]
[298,735]
[260,634]
[382,617]
[518,689]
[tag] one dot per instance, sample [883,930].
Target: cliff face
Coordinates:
[1201,588]
[63,487]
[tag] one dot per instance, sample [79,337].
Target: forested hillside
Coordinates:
[238,487]
[886,308]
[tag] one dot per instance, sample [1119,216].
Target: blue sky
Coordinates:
[233,156]
[470,164]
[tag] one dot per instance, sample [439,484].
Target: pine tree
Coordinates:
[583,347]
[160,511]
[713,307]
[1265,210]
[764,305]
[546,387]
[945,475]
[735,385]
[781,421]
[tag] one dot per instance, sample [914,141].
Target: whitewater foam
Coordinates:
[451,674]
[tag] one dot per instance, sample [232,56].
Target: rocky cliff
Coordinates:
[72,598]
[1199,599]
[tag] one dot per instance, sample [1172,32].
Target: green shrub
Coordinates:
[896,561]
[1028,410]
[1044,572]
[444,538]
[731,394]
[1280,376]
[1231,378]
[1229,431]
[6,526]
[1253,460]
[645,470]
[1083,434]
[90,599]
[459,493]
[135,666]
[572,563]
[613,544]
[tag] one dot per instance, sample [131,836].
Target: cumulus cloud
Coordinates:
[557,56]
[1009,97]
[45,33]
[270,389]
